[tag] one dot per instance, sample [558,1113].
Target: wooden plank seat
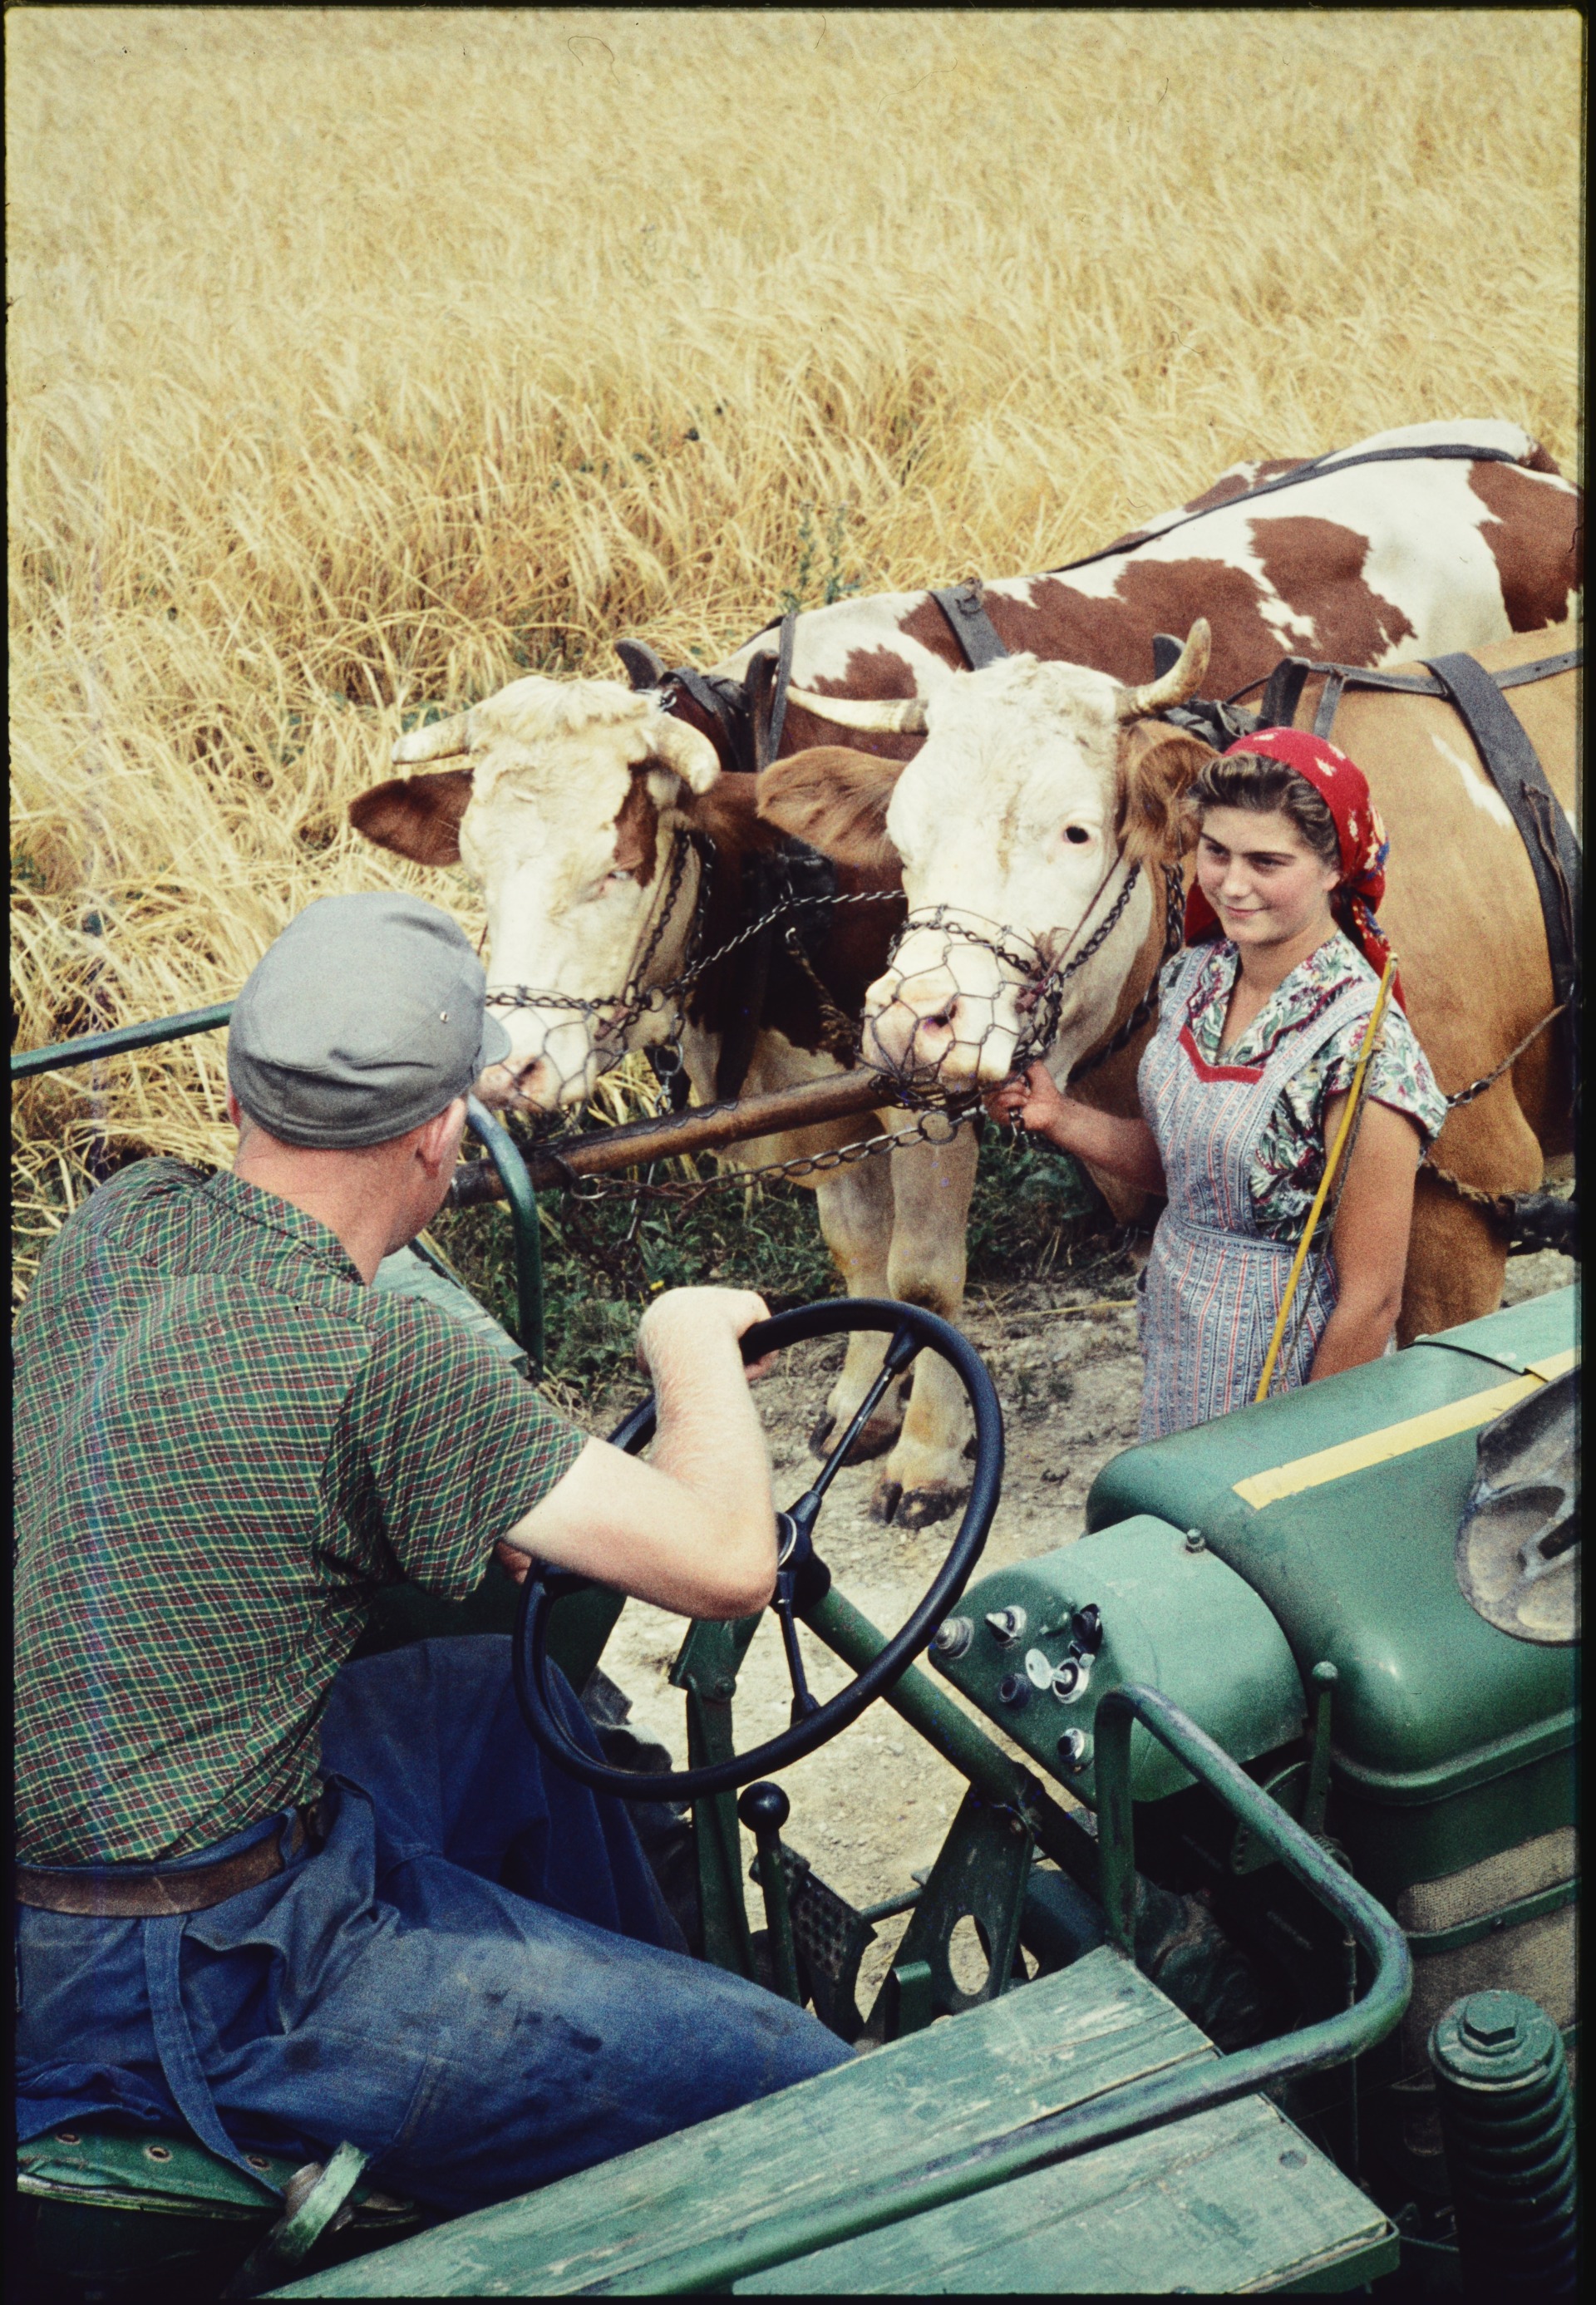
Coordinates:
[1234,2199]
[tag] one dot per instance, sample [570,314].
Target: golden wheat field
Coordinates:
[361,359]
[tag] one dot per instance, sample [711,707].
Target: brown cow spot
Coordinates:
[1541,460]
[1538,540]
[1317,568]
[926,623]
[1238,484]
[1115,634]
[873,675]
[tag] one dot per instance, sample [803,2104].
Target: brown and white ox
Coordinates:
[1039,785]
[565,797]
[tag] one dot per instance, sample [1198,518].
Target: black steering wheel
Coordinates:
[802,1578]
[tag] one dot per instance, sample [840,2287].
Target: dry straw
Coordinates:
[362,358]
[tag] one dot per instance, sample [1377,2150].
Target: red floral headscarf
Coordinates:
[1344,788]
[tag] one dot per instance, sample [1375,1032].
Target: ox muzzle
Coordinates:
[558,1054]
[949,1012]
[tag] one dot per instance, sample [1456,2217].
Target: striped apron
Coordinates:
[1209,1298]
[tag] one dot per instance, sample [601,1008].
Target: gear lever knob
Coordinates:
[764,1809]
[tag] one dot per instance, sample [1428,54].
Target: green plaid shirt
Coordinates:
[225,1444]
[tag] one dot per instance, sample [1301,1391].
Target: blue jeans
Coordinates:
[474,1977]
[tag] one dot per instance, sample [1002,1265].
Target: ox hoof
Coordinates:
[915,1508]
[936,1501]
[875,1441]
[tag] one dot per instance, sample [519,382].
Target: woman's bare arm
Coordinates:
[1370,1235]
[1124,1148]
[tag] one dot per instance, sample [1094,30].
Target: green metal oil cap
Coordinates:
[1494,2040]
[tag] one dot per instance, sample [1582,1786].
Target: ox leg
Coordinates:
[855,1203]
[1456,1262]
[924,1479]
[1457,1256]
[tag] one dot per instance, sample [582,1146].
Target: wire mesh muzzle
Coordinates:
[563,1045]
[959,1006]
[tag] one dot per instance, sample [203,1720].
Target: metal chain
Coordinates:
[686,1195]
[940,1115]
[936,1107]
[1047,1005]
[840,1033]
[1174,891]
[1500,1204]
[621,1011]
[1488,1080]
[635,996]
[688,1192]
[1041,993]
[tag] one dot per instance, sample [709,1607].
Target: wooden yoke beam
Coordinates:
[702,1128]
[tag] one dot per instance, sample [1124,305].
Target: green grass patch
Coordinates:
[1031,1207]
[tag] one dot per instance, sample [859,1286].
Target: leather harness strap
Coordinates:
[767,744]
[1324,719]
[1511,762]
[1284,688]
[748,992]
[724,702]
[102,1894]
[972,626]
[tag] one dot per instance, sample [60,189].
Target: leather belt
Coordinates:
[106,1896]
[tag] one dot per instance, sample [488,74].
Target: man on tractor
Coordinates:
[270,1895]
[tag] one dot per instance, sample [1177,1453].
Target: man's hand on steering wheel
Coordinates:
[694,1529]
[802,1580]
[688,1342]
[677,1315]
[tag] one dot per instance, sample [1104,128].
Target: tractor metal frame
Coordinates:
[1005,1823]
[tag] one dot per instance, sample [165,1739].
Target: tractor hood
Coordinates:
[1339,1506]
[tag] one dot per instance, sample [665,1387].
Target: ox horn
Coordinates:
[882,715]
[684,748]
[1182,679]
[440,740]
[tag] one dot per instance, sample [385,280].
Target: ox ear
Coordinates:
[835,799]
[417,817]
[1157,767]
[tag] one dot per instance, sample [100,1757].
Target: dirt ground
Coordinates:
[870,1809]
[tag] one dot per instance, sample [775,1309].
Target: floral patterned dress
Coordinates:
[1240,1136]
[1288,1160]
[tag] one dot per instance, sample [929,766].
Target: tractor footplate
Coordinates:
[829,1937]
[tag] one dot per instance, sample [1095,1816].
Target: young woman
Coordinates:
[1244,1083]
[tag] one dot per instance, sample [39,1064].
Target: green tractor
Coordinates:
[1276,1912]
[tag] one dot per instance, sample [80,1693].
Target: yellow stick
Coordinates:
[1365,1051]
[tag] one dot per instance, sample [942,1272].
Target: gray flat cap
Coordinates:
[365,1018]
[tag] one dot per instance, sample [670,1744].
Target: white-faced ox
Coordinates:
[1020,830]
[1040,790]
[573,792]
[574,813]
